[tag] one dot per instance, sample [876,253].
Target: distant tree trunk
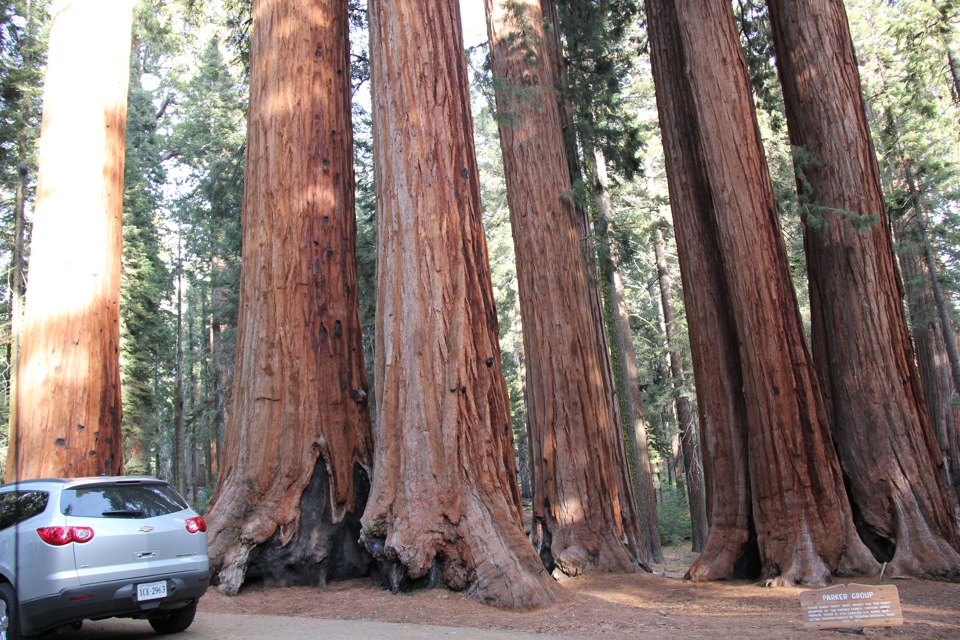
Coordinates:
[628,382]
[584,510]
[17,290]
[724,210]
[953,58]
[861,344]
[689,433]
[69,368]
[294,477]
[928,340]
[939,297]
[445,505]
[179,446]
[219,377]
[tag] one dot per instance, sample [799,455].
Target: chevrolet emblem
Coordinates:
[145,529]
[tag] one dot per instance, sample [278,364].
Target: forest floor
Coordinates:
[609,606]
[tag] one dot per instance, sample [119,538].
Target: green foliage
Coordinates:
[913,104]
[207,143]
[183,189]
[146,339]
[601,44]
[817,216]
[24,28]
[755,37]
[366,235]
[674,517]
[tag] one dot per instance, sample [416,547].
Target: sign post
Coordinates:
[851,606]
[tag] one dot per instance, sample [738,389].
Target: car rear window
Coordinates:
[121,501]
[17,506]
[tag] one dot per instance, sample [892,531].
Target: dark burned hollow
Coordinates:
[321,550]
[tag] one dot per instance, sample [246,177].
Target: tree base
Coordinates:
[319,551]
[393,576]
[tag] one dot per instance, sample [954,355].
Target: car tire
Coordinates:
[9,597]
[174,621]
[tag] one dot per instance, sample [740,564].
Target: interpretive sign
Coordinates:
[850,606]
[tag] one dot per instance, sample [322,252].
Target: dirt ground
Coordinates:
[610,606]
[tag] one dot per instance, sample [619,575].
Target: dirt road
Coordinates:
[220,626]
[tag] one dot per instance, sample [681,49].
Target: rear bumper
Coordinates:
[109,600]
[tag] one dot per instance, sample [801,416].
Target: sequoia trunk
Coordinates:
[583,507]
[69,367]
[297,447]
[861,344]
[445,505]
[723,198]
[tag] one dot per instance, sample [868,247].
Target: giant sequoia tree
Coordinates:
[445,504]
[861,344]
[293,482]
[758,392]
[68,382]
[584,510]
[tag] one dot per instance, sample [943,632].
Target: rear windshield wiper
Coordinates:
[123,513]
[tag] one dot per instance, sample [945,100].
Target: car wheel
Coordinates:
[9,597]
[174,621]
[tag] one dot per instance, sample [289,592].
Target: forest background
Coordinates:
[186,131]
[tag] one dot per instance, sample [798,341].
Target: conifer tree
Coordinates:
[758,393]
[445,504]
[297,448]
[68,372]
[584,508]
[145,338]
[861,344]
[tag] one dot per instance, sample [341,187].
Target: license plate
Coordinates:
[152,590]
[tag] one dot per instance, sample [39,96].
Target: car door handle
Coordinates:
[143,555]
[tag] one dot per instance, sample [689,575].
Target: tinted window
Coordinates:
[17,506]
[121,501]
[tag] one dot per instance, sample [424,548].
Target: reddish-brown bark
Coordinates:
[297,449]
[861,344]
[726,221]
[584,511]
[713,342]
[445,505]
[67,397]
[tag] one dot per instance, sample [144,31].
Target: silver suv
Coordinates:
[93,548]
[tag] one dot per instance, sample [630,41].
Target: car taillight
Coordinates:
[196,525]
[59,536]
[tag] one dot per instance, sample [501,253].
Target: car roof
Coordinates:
[50,483]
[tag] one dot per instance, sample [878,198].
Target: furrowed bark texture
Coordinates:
[643,534]
[68,381]
[445,505]
[861,344]
[621,343]
[297,449]
[730,543]
[800,512]
[583,505]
